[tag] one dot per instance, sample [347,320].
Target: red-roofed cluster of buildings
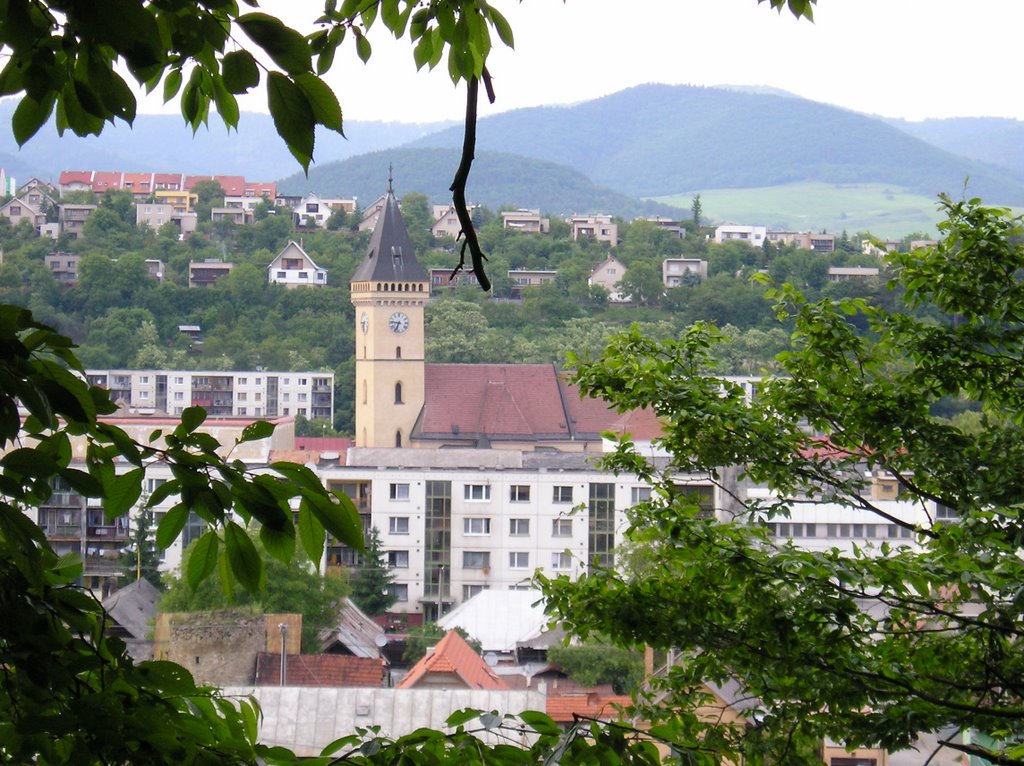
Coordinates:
[145,185]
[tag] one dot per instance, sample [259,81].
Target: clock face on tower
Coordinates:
[398,322]
[364,322]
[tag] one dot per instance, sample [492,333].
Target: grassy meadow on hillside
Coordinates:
[885,211]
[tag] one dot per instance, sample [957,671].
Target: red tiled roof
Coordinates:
[75,177]
[453,655]
[141,182]
[589,703]
[322,443]
[102,180]
[518,402]
[319,670]
[170,181]
[261,188]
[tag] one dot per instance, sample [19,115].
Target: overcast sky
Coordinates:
[895,58]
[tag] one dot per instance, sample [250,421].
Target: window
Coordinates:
[601,524]
[561,560]
[398,525]
[152,484]
[303,398]
[477,492]
[398,393]
[639,495]
[946,513]
[286,397]
[243,381]
[476,559]
[519,493]
[143,394]
[258,396]
[562,495]
[561,528]
[398,559]
[399,492]
[243,411]
[519,560]
[519,527]
[242,396]
[476,525]
[468,591]
[144,379]
[398,591]
[398,439]
[302,381]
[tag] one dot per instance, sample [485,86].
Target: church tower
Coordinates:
[389,290]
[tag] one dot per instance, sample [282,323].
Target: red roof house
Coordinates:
[328,670]
[452,664]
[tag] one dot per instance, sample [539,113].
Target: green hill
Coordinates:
[657,140]
[995,140]
[497,179]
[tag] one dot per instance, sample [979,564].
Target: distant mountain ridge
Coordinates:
[655,140]
[995,140]
[497,179]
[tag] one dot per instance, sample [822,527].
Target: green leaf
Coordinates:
[363,47]
[261,429]
[246,565]
[540,722]
[170,525]
[30,116]
[285,46]
[162,492]
[191,419]
[239,70]
[227,105]
[501,26]
[460,717]
[280,543]
[172,84]
[293,117]
[339,517]
[325,106]
[299,474]
[202,559]
[82,483]
[123,492]
[311,533]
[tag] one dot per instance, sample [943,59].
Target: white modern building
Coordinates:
[263,394]
[749,235]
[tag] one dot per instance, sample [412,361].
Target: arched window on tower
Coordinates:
[398,393]
[398,438]
[398,352]
[364,392]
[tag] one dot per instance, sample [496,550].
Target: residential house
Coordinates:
[314,211]
[599,227]
[878,247]
[446,221]
[750,235]
[355,635]
[670,225]
[371,212]
[156,268]
[442,278]
[674,271]
[74,180]
[64,267]
[525,278]
[607,274]
[324,670]
[207,272]
[39,194]
[848,273]
[17,210]
[292,267]
[132,609]
[156,214]
[235,215]
[181,200]
[73,216]
[804,240]
[529,221]
[916,244]
[452,664]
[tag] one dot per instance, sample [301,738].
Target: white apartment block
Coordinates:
[459,521]
[261,394]
[750,235]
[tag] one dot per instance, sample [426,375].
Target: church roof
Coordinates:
[480,403]
[390,256]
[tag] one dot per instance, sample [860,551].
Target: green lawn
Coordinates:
[885,211]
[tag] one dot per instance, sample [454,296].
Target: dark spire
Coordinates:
[390,256]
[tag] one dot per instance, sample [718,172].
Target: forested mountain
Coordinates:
[995,140]
[655,140]
[497,179]
[164,143]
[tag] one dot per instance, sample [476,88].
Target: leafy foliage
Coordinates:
[594,664]
[871,647]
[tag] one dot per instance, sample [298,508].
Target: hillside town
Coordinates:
[473,478]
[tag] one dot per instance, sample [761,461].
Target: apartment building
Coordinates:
[205,273]
[804,240]
[64,267]
[263,394]
[73,217]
